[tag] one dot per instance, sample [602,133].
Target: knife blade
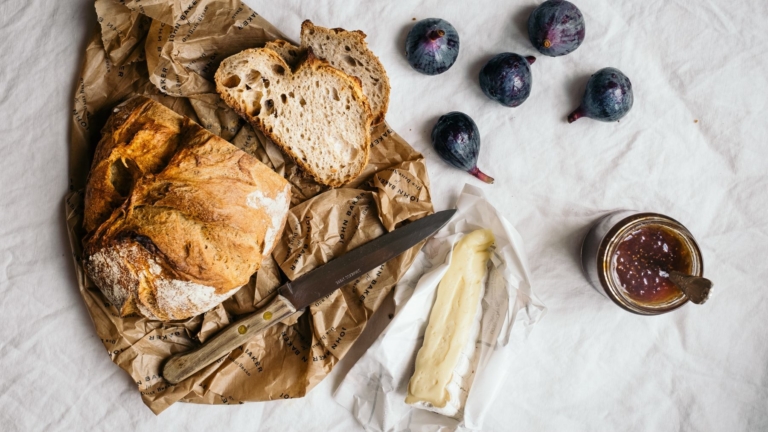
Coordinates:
[303,291]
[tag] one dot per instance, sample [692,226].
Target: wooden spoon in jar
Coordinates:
[696,288]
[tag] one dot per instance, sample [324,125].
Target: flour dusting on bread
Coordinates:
[115,281]
[186,297]
[276,209]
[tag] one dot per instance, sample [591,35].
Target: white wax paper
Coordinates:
[376,386]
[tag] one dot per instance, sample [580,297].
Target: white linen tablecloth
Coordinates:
[694,147]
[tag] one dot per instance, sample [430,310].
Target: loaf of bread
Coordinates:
[316,113]
[346,51]
[178,218]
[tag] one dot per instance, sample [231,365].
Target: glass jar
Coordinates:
[626,256]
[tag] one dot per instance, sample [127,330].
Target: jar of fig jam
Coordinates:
[627,256]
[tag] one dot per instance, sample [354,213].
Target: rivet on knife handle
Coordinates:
[183,365]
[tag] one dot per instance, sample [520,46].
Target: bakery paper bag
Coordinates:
[168,50]
[375,388]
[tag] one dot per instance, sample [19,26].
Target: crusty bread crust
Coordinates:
[291,54]
[187,237]
[240,64]
[122,155]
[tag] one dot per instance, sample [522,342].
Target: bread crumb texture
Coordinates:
[316,114]
[348,51]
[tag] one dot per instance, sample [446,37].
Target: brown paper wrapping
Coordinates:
[169,51]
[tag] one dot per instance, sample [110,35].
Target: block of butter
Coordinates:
[445,364]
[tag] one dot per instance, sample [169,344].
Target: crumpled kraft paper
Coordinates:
[169,50]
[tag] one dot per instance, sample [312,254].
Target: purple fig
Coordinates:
[457,141]
[432,46]
[608,97]
[507,79]
[556,28]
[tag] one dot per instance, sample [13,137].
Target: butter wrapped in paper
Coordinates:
[376,387]
[169,51]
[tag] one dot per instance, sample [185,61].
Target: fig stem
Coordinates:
[436,34]
[481,175]
[530,59]
[577,114]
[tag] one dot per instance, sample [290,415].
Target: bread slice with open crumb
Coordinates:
[346,51]
[317,114]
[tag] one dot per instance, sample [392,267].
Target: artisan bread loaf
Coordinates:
[346,51]
[316,114]
[192,228]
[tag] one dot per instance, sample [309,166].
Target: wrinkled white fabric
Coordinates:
[587,365]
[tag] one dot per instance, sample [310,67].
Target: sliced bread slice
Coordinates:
[316,114]
[348,51]
[288,51]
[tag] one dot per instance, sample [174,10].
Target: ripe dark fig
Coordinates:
[432,46]
[457,141]
[608,97]
[556,28]
[507,78]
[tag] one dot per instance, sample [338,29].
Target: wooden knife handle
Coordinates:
[181,366]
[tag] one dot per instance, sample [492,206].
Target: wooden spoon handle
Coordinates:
[181,366]
[696,288]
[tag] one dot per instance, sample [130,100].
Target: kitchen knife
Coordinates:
[303,291]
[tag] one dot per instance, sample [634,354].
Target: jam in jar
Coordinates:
[642,262]
[628,256]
